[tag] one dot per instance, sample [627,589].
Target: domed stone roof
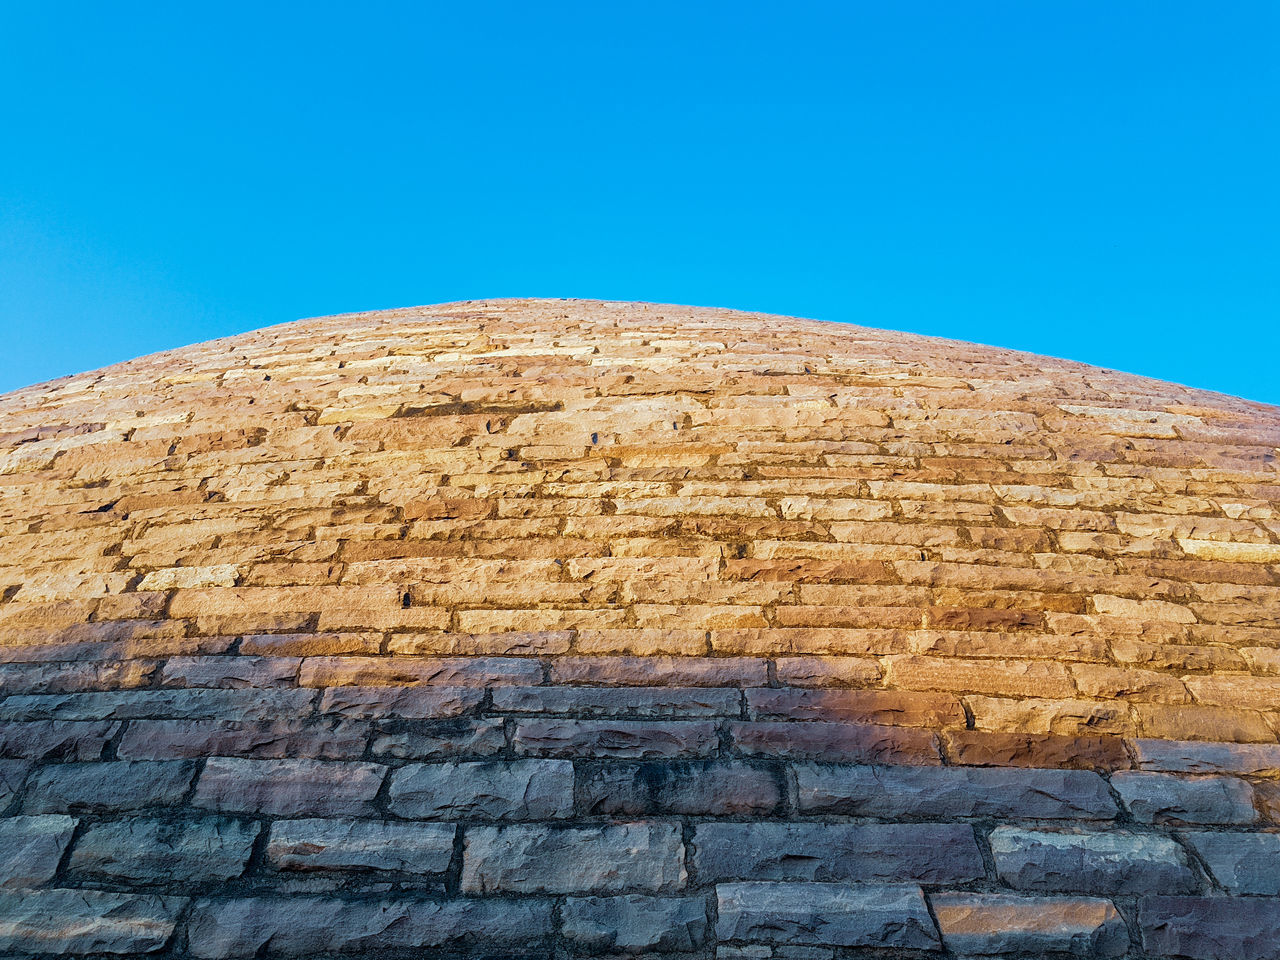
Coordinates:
[575,629]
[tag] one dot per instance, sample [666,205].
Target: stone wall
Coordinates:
[540,628]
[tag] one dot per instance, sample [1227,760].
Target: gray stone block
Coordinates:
[360,845]
[603,858]
[31,848]
[866,852]
[305,926]
[835,914]
[1244,863]
[696,788]
[483,790]
[1167,798]
[1210,928]
[289,788]
[160,851]
[1114,862]
[86,921]
[239,705]
[883,791]
[108,786]
[632,924]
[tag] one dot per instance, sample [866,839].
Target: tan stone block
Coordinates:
[641,642]
[1072,718]
[1236,690]
[1019,678]
[827,671]
[1106,682]
[1192,722]
[1231,552]
[505,621]
[1143,610]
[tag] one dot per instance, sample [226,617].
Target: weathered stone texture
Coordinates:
[604,859]
[576,629]
[155,852]
[828,914]
[492,790]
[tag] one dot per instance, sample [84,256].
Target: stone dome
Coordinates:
[573,629]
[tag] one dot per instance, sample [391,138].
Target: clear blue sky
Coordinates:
[1094,180]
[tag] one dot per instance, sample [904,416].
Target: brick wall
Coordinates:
[552,628]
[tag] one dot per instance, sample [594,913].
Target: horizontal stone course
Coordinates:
[828,914]
[300,926]
[698,788]
[109,786]
[931,792]
[350,845]
[624,739]
[1165,798]
[925,853]
[288,788]
[86,921]
[635,924]
[608,858]
[154,852]
[1114,862]
[988,924]
[484,790]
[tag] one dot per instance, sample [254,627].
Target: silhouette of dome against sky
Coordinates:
[571,629]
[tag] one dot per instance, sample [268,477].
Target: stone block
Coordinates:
[314,844]
[289,788]
[622,739]
[985,748]
[238,672]
[834,914]
[634,924]
[164,851]
[86,921]
[893,707]
[418,671]
[620,701]
[1167,798]
[1210,928]
[322,739]
[493,790]
[1115,862]
[192,704]
[883,791]
[697,788]
[108,786]
[56,739]
[1244,863]
[439,740]
[987,924]
[590,859]
[31,848]
[298,926]
[1200,756]
[391,703]
[837,742]
[865,852]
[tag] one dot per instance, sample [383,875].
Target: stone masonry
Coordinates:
[566,629]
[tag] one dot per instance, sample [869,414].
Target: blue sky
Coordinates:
[1094,180]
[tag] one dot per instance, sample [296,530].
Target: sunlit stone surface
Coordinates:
[575,629]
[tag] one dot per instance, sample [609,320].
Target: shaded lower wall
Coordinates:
[499,815]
